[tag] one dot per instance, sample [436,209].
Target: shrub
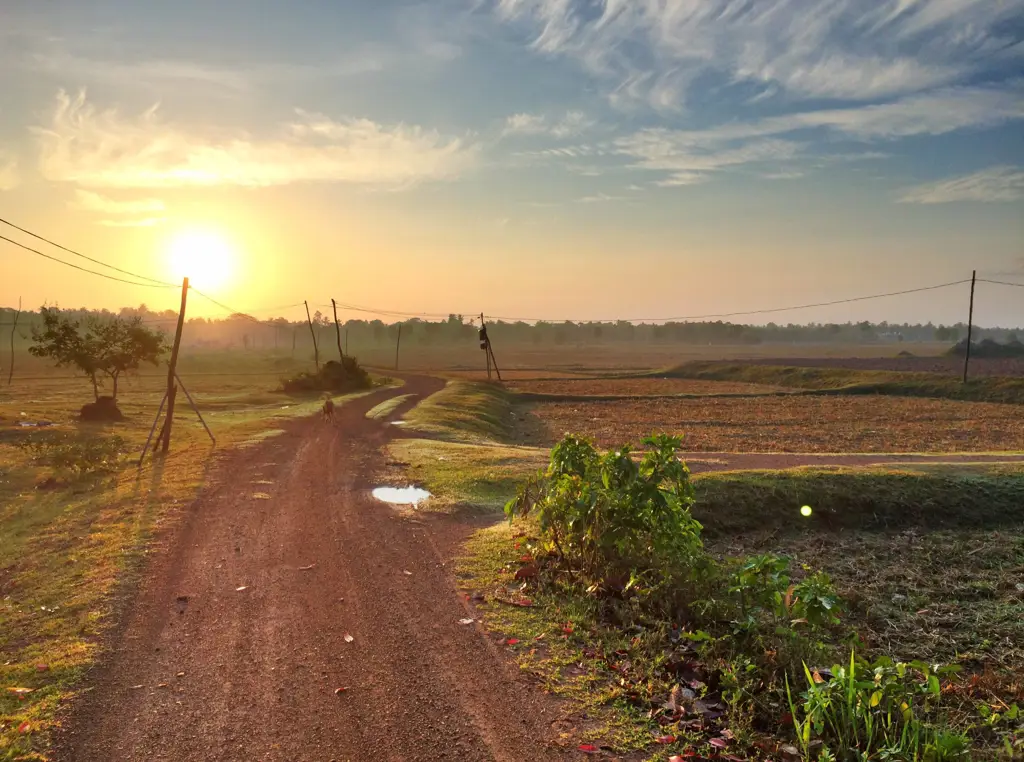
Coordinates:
[874,711]
[610,518]
[335,377]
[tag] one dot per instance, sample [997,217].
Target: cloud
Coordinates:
[690,156]
[145,222]
[1003,183]
[569,125]
[598,198]
[104,149]
[688,162]
[94,202]
[654,51]
[9,178]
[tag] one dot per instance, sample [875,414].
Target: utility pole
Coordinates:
[970,321]
[14,327]
[346,339]
[337,330]
[485,344]
[398,345]
[172,389]
[316,351]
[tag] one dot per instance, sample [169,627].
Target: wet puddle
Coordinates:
[401,495]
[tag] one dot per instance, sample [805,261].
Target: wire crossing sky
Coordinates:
[526,157]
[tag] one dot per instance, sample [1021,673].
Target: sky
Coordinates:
[557,159]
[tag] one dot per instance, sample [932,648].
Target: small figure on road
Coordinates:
[328,411]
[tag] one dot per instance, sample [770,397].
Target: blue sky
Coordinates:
[608,158]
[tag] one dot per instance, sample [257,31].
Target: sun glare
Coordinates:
[206,258]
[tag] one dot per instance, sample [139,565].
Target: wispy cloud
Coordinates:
[1003,183]
[655,50]
[572,123]
[9,177]
[95,202]
[104,149]
[598,198]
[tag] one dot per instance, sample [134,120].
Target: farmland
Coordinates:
[795,423]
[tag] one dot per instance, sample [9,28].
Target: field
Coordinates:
[72,545]
[795,423]
[949,366]
[640,387]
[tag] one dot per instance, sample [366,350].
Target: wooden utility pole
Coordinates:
[485,344]
[970,321]
[316,351]
[337,330]
[295,333]
[346,339]
[14,327]
[172,389]
[398,345]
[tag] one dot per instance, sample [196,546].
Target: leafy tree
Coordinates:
[95,346]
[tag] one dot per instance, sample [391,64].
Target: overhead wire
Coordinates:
[83,269]
[1000,282]
[152,281]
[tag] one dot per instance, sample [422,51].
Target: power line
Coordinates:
[1001,282]
[749,312]
[153,281]
[392,313]
[83,269]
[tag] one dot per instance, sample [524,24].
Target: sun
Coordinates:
[205,257]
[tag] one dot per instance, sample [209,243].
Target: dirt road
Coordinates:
[238,640]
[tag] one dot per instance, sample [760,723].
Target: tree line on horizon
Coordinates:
[247,332]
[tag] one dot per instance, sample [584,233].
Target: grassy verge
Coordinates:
[465,410]
[928,559]
[69,543]
[850,381]
[387,407]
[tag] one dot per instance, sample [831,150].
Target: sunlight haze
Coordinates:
[524,158]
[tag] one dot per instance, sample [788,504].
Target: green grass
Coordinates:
[928,558]
[465,410]
[387,407]
[67,550]
[850,381]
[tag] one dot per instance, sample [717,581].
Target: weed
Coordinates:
[75,455]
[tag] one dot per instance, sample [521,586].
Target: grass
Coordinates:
[387,407]
[465,410]
[799,424]
[68,551]
[927,557]
[836,380]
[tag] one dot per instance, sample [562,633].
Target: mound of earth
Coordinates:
[103,410]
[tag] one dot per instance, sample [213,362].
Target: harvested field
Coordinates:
[795,424]
[641,387]
[950,366]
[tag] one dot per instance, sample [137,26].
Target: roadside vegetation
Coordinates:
[77,517]
[677,613]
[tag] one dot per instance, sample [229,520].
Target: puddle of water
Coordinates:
[401,495]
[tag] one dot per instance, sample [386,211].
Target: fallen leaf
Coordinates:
[568,629]
[719,743]
[467,620]
[42,667]
[665,739]
[240,589]
[24,727]
[180,674]
[527,559]
[348,638]
[162,685]
[20,691]
[588,748]
[260,496]
[406,572]
[137,687]
[307,568]
[527,572]
[511,641]
[339,691]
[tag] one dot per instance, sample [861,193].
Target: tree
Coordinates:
[97,347]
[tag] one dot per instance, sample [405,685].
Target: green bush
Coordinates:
[335,377]
[610,518]
[874,711]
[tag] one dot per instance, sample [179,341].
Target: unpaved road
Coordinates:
[251,674]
